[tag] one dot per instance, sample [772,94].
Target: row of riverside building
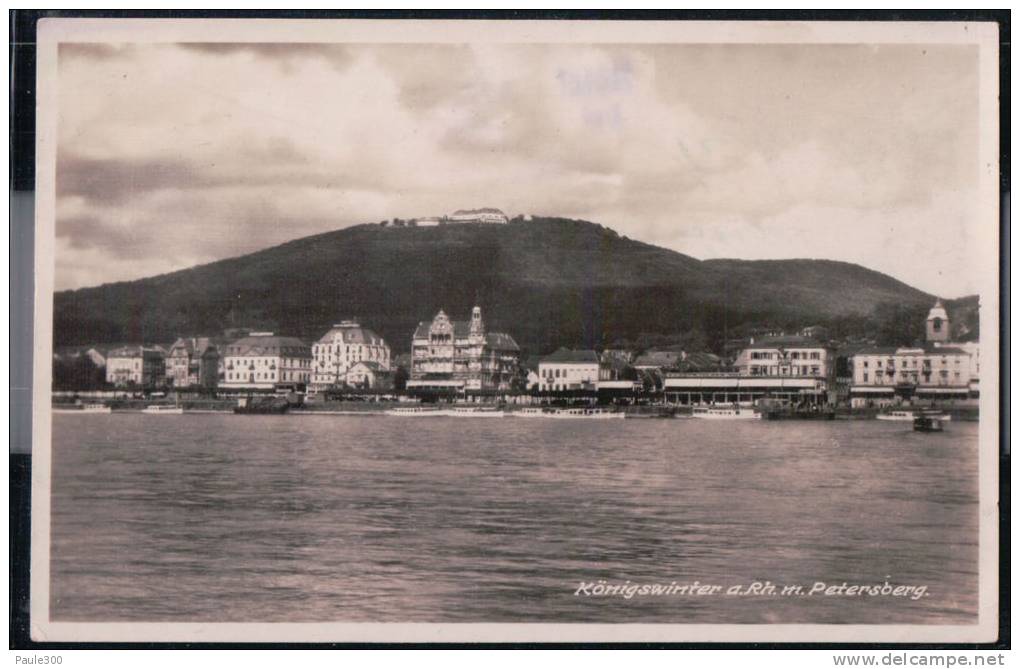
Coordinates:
[459,358]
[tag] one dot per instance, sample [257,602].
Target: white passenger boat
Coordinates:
[725,413]
[165,409]
[415,412]
[570,413]
[473,412]
[909,416]
[84,408]
[529,412]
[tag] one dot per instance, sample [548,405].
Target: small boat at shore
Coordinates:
[931,422]
[261,405]
[415,412]
[910,415]
[163,409]
[84,408]
[473,412]
[725,413]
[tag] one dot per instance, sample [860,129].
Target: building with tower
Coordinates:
[938,370]
[937,326]
[456,356]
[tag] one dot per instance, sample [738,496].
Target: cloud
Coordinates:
[171,154]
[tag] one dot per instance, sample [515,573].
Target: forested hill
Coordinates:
[547,281]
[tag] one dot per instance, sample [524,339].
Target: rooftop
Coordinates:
[351,332]
[927,349]
[571,355]
[658,359]
[268,344]
[785,341]
[483,210]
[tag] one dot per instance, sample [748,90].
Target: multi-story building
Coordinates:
[265,361]
[785,356]
[938,370]
[483,215]
[346,344]
[140,366]
[793,369]
[457,356]
[193,361]
[568,369]
[884,375]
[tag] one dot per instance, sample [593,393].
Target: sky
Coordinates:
[173,155]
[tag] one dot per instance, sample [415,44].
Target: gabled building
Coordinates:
[458,356]
[346,344]
[193,362]
[369,375]
[263,360]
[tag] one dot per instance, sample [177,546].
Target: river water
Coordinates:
[348,519]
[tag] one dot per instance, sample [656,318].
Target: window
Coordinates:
[865,377]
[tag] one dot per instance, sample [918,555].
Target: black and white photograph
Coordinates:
[516,331]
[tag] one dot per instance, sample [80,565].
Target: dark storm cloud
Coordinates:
[85,232]
[114,180]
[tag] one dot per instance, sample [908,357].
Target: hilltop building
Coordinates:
[140,366]
[193,361]
[346,344]
[483,215]
[457,356]
[263,360]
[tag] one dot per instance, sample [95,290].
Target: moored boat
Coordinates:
[84,408]
[262,405]
[473,412]
[163,409]
[591,413]
[910,415]
[725,413]
[929,422]
[415,412]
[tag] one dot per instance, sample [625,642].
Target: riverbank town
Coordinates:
[453,356]
[461,360]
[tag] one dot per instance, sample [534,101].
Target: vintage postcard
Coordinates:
[503,331]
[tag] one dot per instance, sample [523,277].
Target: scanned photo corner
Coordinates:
[451,331]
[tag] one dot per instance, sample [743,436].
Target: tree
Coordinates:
[78,373]
[400,377]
